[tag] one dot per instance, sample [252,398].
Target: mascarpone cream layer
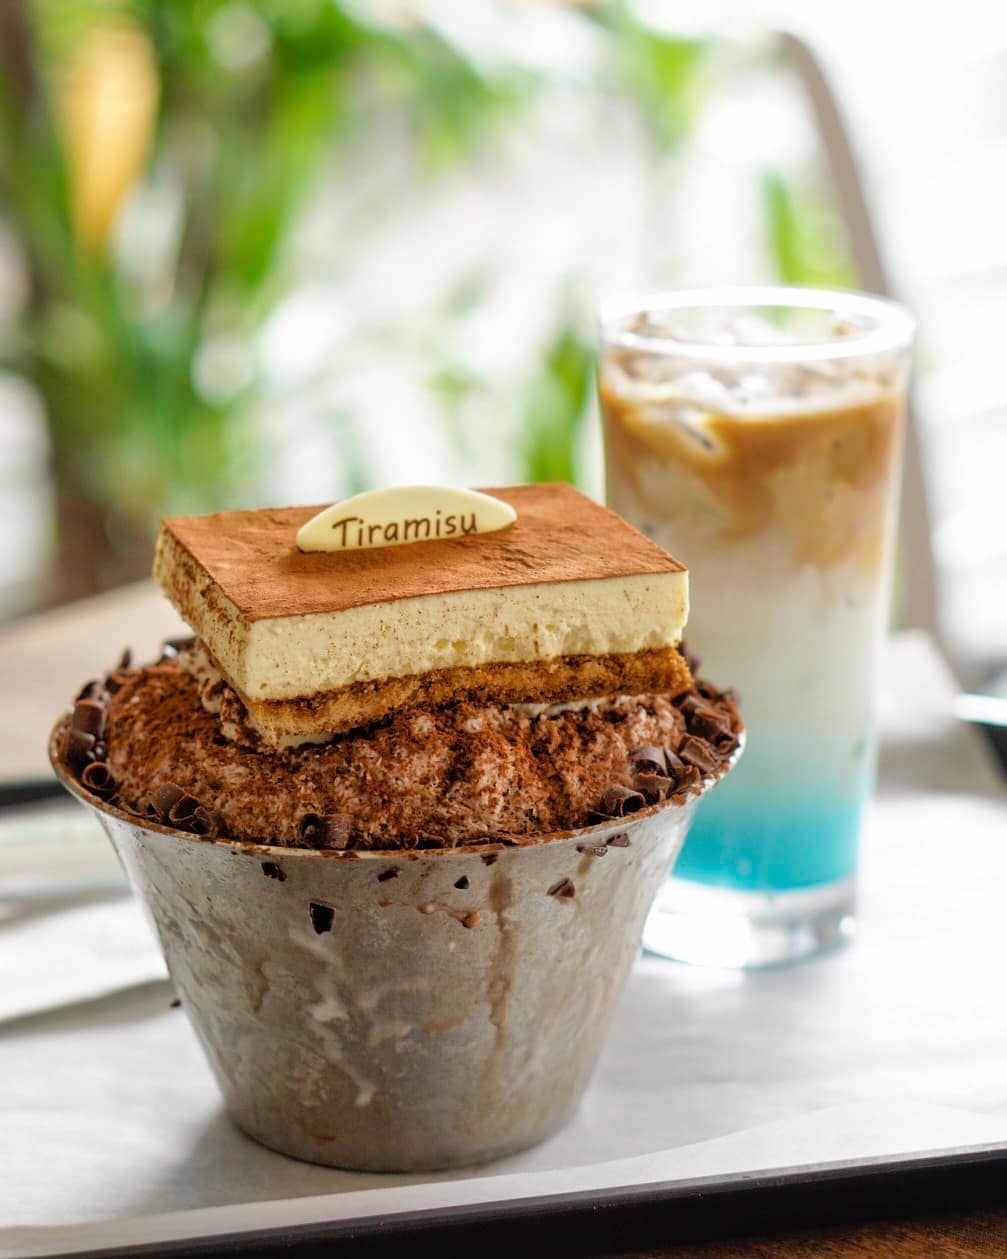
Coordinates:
[295,657]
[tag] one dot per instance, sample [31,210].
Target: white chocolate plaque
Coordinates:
[404,513]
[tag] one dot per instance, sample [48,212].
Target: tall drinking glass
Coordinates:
[757,435]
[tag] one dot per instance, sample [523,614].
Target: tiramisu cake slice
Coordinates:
[565,602]
[358,682]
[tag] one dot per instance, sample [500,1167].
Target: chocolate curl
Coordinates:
[709,724]
[654,787]
[204,822]
[687,703]
[340,831]
[98,779]
[116,680]
[88,717]
[696,753]
[171,806]
[90,690]
[620,801]
[78,747]
[688,781]
[312,830]
[654,772]
[649,760]
[319,831]
[161,801]
[183,811]
[675,763]
[121,674]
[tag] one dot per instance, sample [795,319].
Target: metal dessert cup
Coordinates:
[399,1010]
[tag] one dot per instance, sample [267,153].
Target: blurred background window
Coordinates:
[278,251]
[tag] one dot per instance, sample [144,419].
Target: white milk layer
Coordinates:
[801,647]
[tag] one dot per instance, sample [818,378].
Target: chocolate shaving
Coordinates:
[592,850]
[709,724]
[619,841]
[489,858]
[183,811]
[125,660]
[340,830]
[620,801]
[88,717]
[462,884]
[675,763]
[331,831]
[385,875]
[687,782]
[654,787]
[78,747]
[97,778]
[649,760]
[161,801]
[90,690]
[321,917]
[116,680]
[204,822]
[564,889]
[697,753]
[688,703]
[312,830]
[272,871]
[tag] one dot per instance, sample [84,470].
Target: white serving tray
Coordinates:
[891,1048]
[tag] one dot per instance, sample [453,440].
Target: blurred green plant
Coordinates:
[556,404]
[805,237]
[226,113]
[668,76]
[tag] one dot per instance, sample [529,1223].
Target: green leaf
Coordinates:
[666,73]
[804,234]
[555,407]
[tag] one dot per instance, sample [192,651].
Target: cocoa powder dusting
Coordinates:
[461,774]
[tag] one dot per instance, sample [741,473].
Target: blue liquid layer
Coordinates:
[738,841]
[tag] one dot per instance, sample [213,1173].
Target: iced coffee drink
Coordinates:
[758,435]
